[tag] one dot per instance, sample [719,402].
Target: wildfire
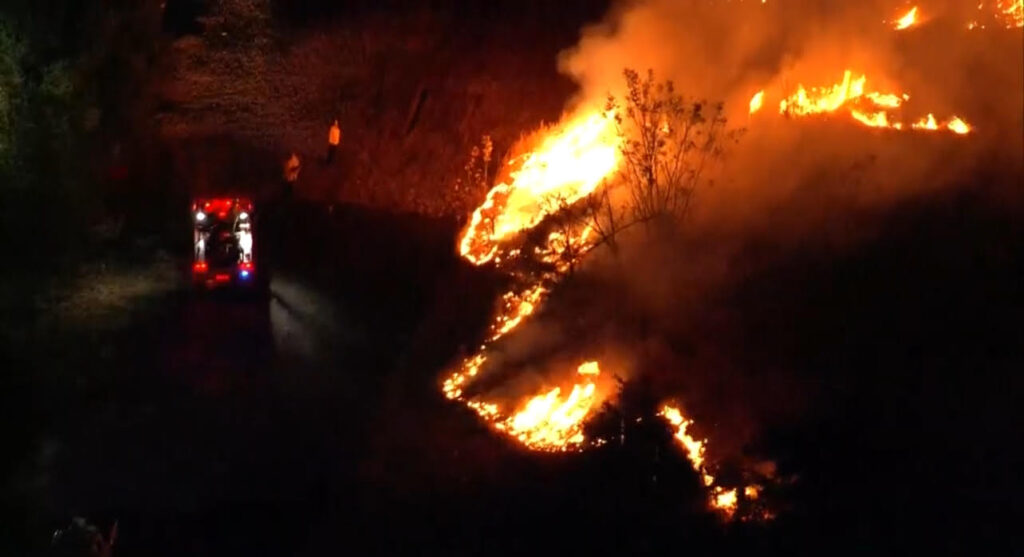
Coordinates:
[908,19]
[724,499]
[871,108]
[568,165]
[1011,12]
[694,447]
[757,101]
[551,422]
[955,125]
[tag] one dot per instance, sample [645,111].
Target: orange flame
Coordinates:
[756,101]
[694,447]
[550,422]
[956,125]
[870,108]
[908,19]
[721,498]
[569,165]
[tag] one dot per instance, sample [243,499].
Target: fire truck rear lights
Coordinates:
[200,216]
[199,267]
[222,278]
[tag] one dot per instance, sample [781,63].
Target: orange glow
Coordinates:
[757,101]
[724,500]
[694,447]
[908,19]
[1011,13]
[551,422]
[569,164]
[870,108]
[956,125]
[721,498]
[516,308]
[926,123]
[820,100]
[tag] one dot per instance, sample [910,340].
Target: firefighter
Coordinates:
[333,139]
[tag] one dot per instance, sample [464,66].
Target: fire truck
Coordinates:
[223,229]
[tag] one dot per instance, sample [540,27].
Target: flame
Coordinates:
[550,422]
[569,165]
[820,99]
[871,108]
[724,500]
[721,498]
[694,447]
[1011,12]
[908,19]
[956,125]
[516,308]
[757,101]
[926,123]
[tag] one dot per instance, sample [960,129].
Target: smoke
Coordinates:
[788,176]
[790,183]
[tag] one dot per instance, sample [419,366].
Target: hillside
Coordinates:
[413,93]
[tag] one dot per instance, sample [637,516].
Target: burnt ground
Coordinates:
[312,422]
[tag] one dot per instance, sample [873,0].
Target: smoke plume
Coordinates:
[792,182]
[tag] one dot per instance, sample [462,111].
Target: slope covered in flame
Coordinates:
[568,165]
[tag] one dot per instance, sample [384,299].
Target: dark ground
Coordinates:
[312,423]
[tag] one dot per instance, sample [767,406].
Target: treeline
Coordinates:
[520,12]
[72,80]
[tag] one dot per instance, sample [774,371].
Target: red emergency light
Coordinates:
[199,267]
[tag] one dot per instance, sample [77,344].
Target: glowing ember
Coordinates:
[908,19]
[757,101]
[569,165]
